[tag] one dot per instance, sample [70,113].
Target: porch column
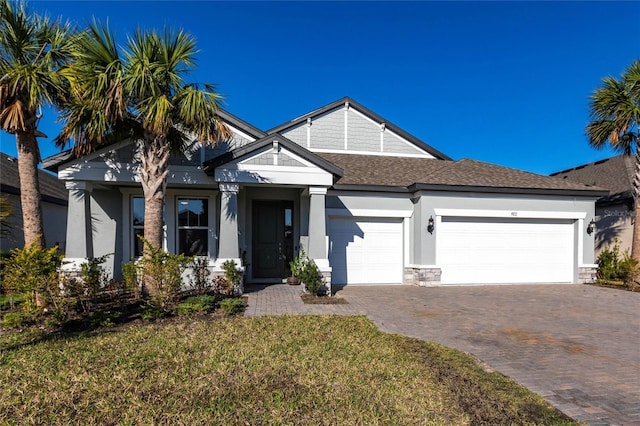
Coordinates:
[229,248]
[318,227]
[79,243]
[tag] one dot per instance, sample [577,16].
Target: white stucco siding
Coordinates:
[614,223]
[54,218]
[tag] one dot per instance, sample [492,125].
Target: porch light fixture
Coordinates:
[431,225]
[591,227]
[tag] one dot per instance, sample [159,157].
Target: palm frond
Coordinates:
[615,111]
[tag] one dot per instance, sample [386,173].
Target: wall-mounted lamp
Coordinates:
[591,227]
[431,226]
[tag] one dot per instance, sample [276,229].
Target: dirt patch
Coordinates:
[310,299]
[542,339]
[634,287]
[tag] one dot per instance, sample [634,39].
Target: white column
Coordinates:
[318,227]
[79,244]
[228,242]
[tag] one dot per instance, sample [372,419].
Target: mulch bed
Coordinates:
[311,299]
[633,287]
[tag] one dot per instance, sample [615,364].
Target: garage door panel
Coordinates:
[365,250]
[474,250]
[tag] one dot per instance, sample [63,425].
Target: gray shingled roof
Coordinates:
[51,188]
[405,172]
[614,174]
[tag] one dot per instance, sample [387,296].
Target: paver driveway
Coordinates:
[576,345]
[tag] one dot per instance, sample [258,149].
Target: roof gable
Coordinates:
[614,173]
[273,159]
[243,134]
[345,126]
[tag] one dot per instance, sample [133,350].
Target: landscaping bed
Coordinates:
[311,299]
[267,370]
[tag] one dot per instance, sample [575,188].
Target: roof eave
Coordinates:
[591,193]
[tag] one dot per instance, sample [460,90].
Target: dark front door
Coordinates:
[272,238]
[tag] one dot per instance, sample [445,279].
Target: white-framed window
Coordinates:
[193,226]
[137,225]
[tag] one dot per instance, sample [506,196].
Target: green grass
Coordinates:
[268,370]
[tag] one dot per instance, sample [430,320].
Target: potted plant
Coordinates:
[296,266]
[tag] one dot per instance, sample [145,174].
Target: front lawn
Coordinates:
[267,370]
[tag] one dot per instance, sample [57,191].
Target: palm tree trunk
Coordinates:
[635,245]
[28,159]
[153,176]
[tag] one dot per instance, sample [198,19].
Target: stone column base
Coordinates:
[326,279]
[587,274]
[423,277]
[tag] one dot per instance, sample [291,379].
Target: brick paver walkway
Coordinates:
[576,345]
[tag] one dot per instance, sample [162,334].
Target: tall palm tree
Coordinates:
[615,115]
[32,50]
[139,92]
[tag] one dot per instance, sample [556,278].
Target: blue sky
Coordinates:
[502,82]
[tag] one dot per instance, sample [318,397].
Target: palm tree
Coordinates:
[32,50]
[140,92]
[615,115]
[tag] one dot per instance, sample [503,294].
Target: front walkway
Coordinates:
[576,345]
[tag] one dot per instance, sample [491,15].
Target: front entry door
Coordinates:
[272,238]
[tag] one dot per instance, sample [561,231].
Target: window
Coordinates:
[193,226]
[137,225]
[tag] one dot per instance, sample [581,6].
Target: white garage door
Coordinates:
[365,250]
[482,250]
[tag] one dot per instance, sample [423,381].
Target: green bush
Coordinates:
[311,276]
[162,275]
[196,304]
[33,271]
[16,319]
[130,278]
[232,305]
[200,276]
[229,284]
[613,266]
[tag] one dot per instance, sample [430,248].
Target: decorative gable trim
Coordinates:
[349,105]
[272,142]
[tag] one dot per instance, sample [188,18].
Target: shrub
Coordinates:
[196,304]
[130,278]
[93,275]
[612,266]
[33,271]
[200,277]
[232,305]
[311,276]
[164,272]
[16,319]
[229,284]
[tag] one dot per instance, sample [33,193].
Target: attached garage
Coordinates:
[365,250]
[484,250]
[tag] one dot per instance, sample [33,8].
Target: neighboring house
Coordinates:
[54,198]
[614,212]
[370,203]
